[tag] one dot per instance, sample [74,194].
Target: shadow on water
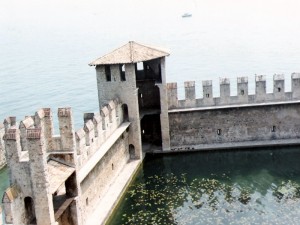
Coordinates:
[251,186]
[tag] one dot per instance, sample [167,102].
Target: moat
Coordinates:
[4,183]
[251,186]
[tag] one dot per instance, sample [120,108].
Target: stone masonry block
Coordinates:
[64,112]
[188,84]
[34,133]
[224,80]
[111,105]
[295,75]
[278,77]
[27,123]
[11,134]
[88,126]
[80,134]
[104,111]
[241,80]
[260,78]
[47,112]
[206,83]
[171,85]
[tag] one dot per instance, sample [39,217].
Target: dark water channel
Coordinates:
[4,182]
[260,186]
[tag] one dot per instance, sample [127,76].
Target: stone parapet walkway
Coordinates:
[109,201]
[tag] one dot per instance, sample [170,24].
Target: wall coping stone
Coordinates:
[232,106]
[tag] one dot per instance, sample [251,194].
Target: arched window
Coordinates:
[125,113]
[122,73]
[131,152]
[29,209]
[107,73]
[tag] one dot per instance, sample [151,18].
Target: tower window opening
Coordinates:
[125,113]
[140,66]
[107,73]
[131,152]
[279,89]
[122,72]
[242,92]
[207,95]
[29,209]
[274,129]
[219,131]
[141,102]
[159,73]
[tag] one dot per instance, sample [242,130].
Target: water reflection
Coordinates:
[246,187]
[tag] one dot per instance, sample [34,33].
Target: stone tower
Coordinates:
[135,74]
[43,180]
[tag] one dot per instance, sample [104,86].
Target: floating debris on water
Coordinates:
[174,199]
[212,191]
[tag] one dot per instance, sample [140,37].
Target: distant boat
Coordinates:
[187,15]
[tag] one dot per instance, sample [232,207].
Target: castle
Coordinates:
[78,177]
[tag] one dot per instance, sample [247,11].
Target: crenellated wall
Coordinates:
[97,158]
[102,149]
[197,128]
[98,127]
[97,181]
[242,96]
[26,147]
[97,152]
[263,118]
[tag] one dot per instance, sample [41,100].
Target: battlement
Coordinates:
[36,127]
[39,127]
[242,96]
[38,159]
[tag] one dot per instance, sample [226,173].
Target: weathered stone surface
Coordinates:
[33,162]
[136,107]
[242,97]
[2,149]
[234,124]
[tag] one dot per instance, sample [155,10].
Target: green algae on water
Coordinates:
[187,189]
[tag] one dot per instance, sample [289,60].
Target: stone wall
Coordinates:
[97,152]
[126,91]
[213,125]
[97,129]
[2,150]
[97,182]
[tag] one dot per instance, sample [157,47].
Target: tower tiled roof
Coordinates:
[132,52]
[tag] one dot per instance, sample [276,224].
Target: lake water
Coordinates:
[229,187]
[45,46]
